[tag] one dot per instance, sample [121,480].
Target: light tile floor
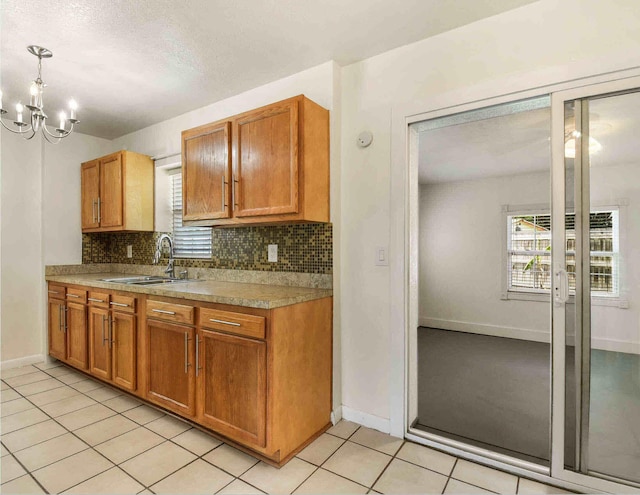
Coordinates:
[63,432]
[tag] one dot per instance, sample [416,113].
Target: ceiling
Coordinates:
[519,143]
[130,64]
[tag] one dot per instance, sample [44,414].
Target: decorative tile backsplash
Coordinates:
[302,248]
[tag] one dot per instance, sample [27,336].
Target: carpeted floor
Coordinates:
[494,392]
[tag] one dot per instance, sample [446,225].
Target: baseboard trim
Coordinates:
[23,361]
[482,329]
[336,415]
[365,419]
[524,334]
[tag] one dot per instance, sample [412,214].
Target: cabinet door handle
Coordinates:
[225,322]
[197,355]
[164,311]
[64,318]
[233,192]
[186,352]
[95,300]
[119,304]
[111,332]
[60,317]
[93,211]
[99,210]
[104,317]
[223,193]
[73,295]
[53,292]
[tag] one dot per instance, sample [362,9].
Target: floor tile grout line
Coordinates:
[81,440]
[28,472]
[518,485]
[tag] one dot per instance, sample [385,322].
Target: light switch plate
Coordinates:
[272,253]
[130,251]
[381,256]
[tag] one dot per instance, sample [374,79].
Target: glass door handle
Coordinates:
[561,286]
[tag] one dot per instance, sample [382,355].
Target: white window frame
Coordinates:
[179,232]
[616,299]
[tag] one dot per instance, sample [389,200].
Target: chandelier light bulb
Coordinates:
[63,117]
[73,106]
[33,93]
[0,99]
[19,110]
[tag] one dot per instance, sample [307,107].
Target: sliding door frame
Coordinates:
[582,300]
[403,277]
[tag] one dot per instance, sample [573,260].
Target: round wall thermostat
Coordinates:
[364,139]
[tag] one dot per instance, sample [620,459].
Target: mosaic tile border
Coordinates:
[302,248]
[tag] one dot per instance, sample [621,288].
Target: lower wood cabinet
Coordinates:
[170,356]
[77,335]
[261,378]
[57,334]
[232,386]
[112,346]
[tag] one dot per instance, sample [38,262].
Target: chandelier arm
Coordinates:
[55,140]
[54,136]
[13,130]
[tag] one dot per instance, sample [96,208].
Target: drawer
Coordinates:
[123,303]
[56,291]
[237,323]
[77,295]
[99,299]
[178,313]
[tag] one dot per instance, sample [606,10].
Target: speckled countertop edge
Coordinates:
[251,295]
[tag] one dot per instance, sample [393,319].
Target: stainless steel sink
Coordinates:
[147,280]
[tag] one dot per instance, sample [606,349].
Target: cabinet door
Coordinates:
[265,161]
[57,335]
[77,354]
[205,171]
[123,339]
[111,191]
[170,375]
[232,386]
[99,352]
[89,192]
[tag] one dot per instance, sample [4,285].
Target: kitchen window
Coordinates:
[188,242]
[529,252]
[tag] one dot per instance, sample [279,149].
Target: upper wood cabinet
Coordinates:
[278,171]
[117,193]
[206,155]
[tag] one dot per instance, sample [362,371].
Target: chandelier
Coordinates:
[38,119]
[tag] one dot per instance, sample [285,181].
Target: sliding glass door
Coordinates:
[596,289]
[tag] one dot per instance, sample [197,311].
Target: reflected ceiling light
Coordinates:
[570,144]
[38,119]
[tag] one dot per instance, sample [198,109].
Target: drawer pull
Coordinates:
[163,311]
[93,299]
[53,292]
[73,295]
[225,322]
[119,304]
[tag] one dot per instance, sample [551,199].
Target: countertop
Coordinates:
[263,296]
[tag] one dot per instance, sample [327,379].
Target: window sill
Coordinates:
[614,302]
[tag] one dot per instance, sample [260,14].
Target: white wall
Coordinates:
[62,235]
[462,251]
[461,254]
[40,225]
[22,273]
[543,43]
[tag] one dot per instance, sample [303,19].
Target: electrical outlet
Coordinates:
[130,251]
[272,253]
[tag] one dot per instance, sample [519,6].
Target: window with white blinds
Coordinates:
[529,252]
[188,242]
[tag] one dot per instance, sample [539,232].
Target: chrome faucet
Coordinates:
[156,258]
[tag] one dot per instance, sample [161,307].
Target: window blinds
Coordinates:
[188,242]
